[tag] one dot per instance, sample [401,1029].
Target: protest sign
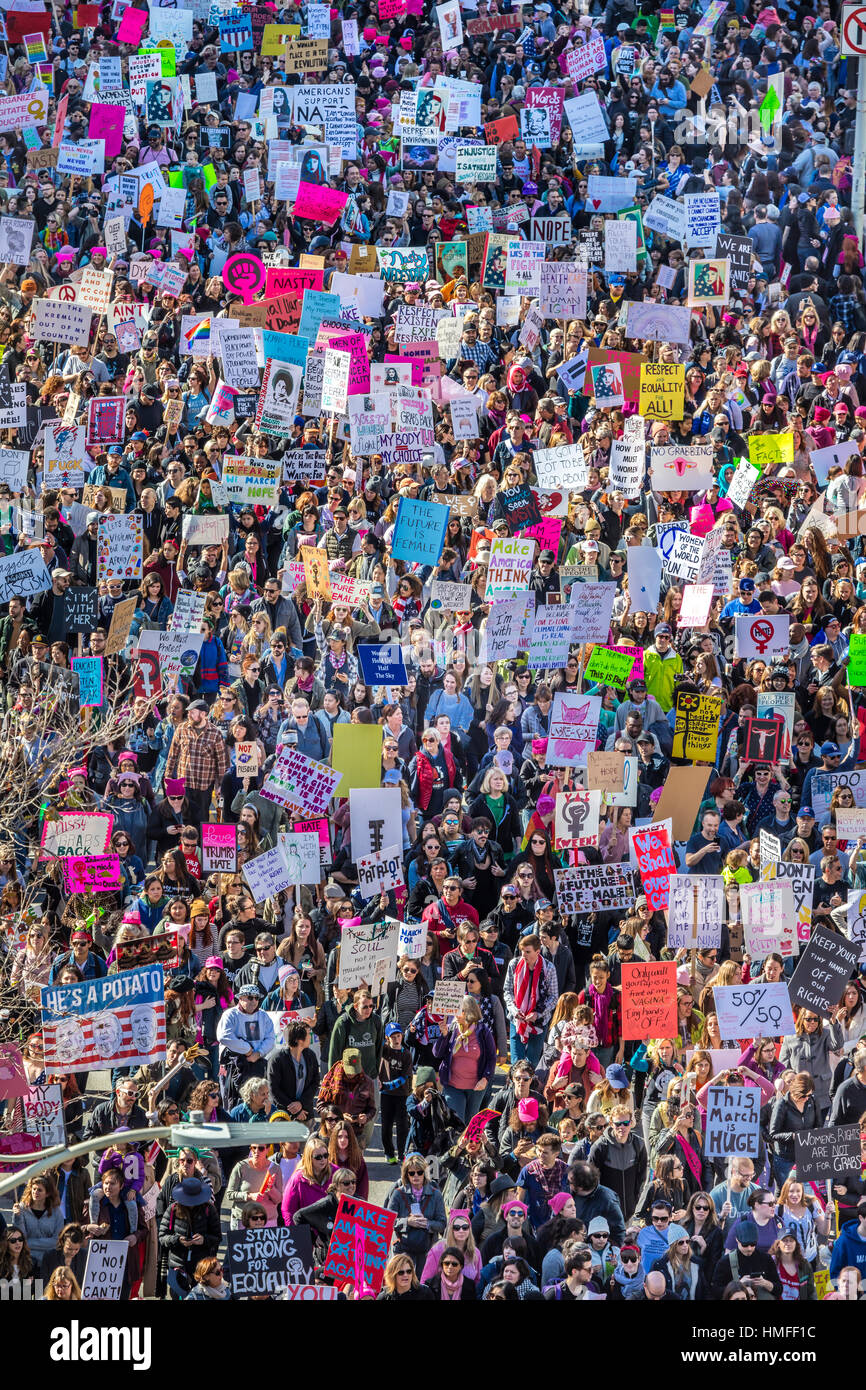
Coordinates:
[119,547]
[591,607]
[120,1019]
[733,1123]
[649,1000]
[826,965]
[356,755]
[43,1114]
[299,783]
[762,636]
[503,629]
[696,730]
[573,729]
[103,1274]
[359,1244]
[763,740]
[13,1081]
[149,950]
[562,467]
[78,834]
[821,1154]
[656,863]
[80,608]
[509,567]
[368,954]
[218,848]
[302,853]
[607,666]
[90,680]
[378,873]
[696,911]
[262,1262]
[769,922]
[746,1011]
[662,388]
[95,874]
[62,321]
[594,888]
[448,995]
[475,164]
[267,874]
[575,818]
[374,819]
[23,573]
[419,531]
[382,664]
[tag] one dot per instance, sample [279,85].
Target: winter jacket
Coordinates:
[622,1167]
[786,1121]
[179,1223]
[849,1249]
[40,1232]
[416,1240]
[104,1119]
[282,1079]
[213,670]
[301,1193]
[802,1053]
[695,1291]
[601,1202]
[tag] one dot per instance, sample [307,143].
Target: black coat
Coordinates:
[467,1292]
[184,1222]
[283,1081]
[786,1121]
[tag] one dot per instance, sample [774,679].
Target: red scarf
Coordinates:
[427,776]
[526,984]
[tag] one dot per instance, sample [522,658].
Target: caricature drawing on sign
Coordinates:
[107,1034]
[143,1023]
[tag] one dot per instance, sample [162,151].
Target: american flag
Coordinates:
[58,1032]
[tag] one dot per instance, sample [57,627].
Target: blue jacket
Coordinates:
[849,1249]
[121,478]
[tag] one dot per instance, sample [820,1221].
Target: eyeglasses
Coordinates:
[16,1240]
[622,1124]
[460,1226]
[701,1206]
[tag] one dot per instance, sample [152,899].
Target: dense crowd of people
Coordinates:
[220,321]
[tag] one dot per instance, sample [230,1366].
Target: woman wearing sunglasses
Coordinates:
[420,1211]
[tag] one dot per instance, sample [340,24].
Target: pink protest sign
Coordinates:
[94,874]
[636,673]
[13,1082]
[320,825]
[391,9]
[106,123]
[476,1126]
[21,1143]
[656,863]
[244,275]
[132,26]
[219,848]
[319,202]
[546,532]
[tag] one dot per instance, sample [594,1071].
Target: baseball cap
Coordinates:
[806,812]
[747,584]
[830,750]
[391,1029]
[662,629]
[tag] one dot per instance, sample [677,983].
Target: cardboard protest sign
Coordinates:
[359,1245]
[264,1261]
[826,965]
[649,1000]
[368,954]
[103,1274]
[377,873]
[120,1019]
[594,888]
[575,822]
[745,1011]
[681,797]
[302,853]
[43,1114]
[696,911]
[267,874]
[448,995]
[820,1154]
[299,783]
[733,1127]
[375,819]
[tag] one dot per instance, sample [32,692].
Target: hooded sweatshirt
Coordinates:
[850,1249]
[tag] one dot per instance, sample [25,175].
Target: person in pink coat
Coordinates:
[310,1181]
